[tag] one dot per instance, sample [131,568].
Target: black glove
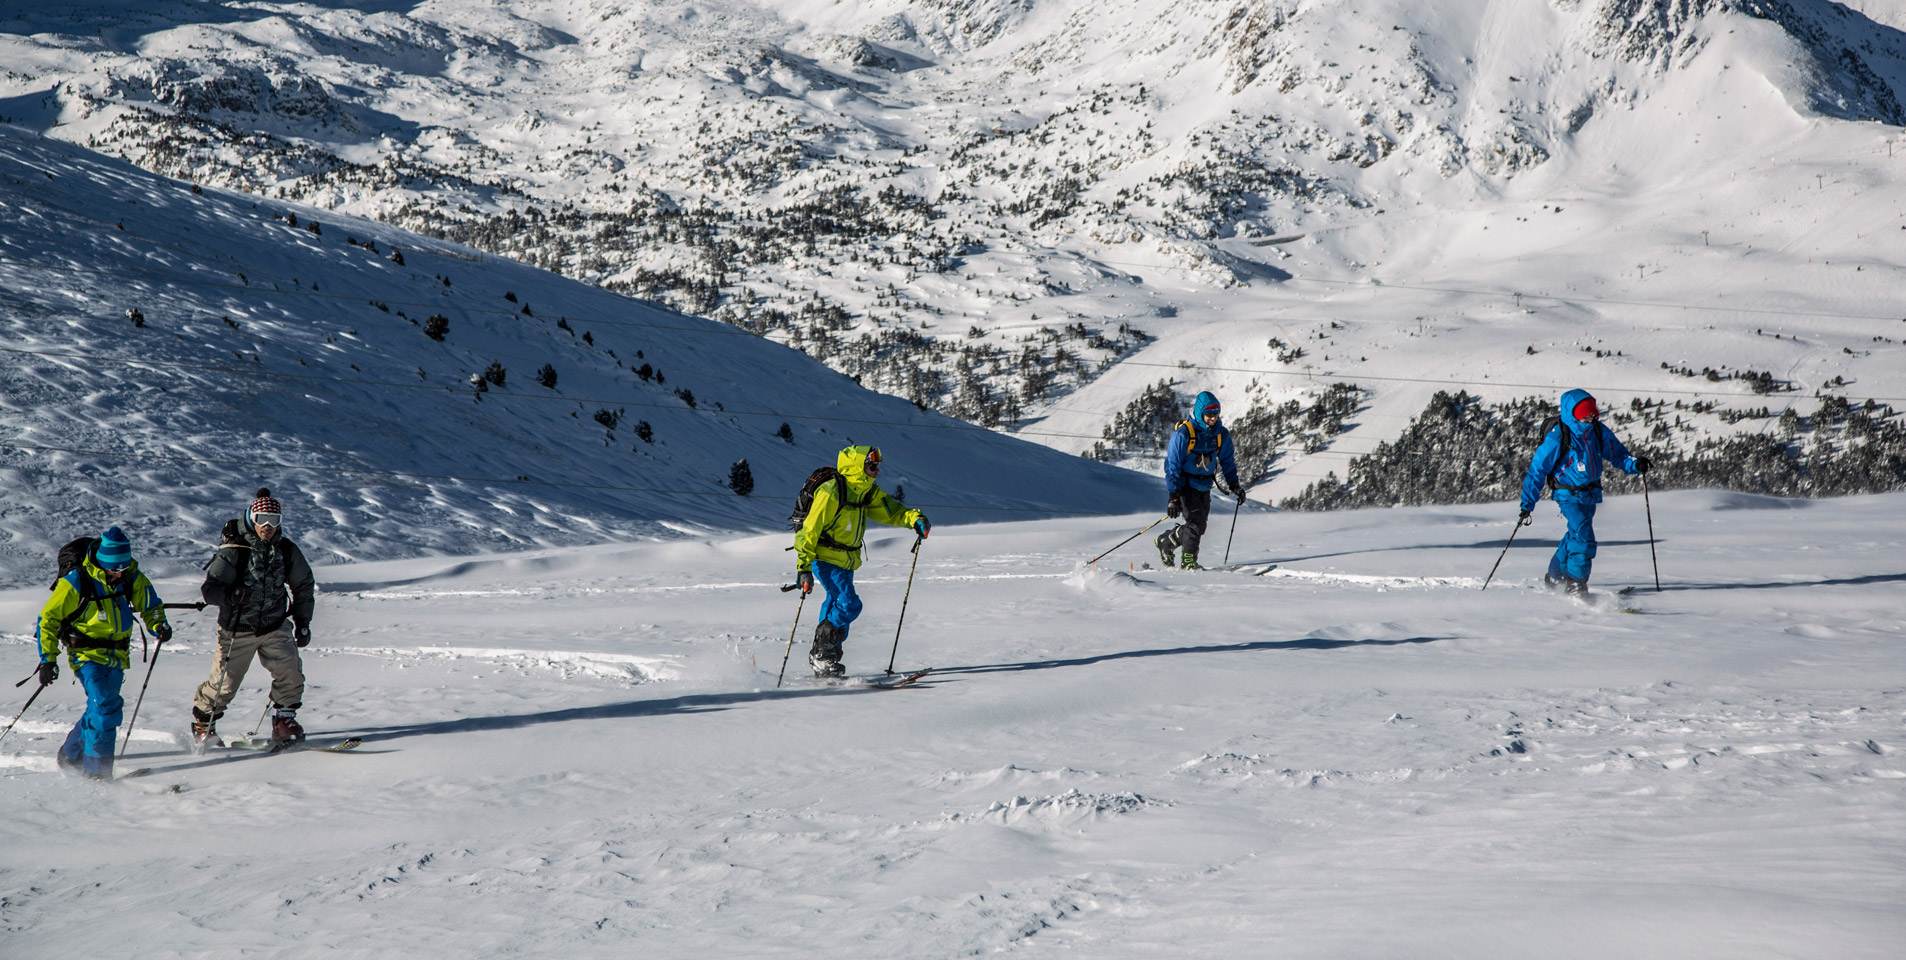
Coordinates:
[921,526]
[1174,507]
[1240,492]
[302,633]
[805,580]
[1522,519]
[49,672]
[163,631]
[1642,464]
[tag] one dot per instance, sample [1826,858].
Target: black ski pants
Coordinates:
[1196,515]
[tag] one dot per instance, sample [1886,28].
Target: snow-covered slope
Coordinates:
[981,204]
[581,753]
[275,346]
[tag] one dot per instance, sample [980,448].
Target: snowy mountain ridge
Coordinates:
[1027,214]
[167,349]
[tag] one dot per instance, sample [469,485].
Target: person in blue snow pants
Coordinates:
[92,611]
[90,746]
[842,605]
[1570,459]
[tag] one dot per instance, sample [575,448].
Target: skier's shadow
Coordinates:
[1306,643]
[1529,543]
[685,704]
[1780,584]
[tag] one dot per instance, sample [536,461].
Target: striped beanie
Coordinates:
[263,502]
[114,551]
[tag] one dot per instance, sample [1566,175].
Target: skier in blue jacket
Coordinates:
[1198,448]
[1570,459]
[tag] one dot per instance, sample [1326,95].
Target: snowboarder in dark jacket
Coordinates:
[1198,448]
[1570,459]
[264,591]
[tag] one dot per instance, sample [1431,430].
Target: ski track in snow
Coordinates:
[1114,762]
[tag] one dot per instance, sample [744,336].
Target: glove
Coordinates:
[49,672]
[921,526]
[1240,492]
[163,632]
[1642,464]
[302,634]
[1522,519]
[1174,507]
[805,580]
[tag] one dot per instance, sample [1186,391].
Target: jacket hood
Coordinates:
[1206,400]
[91,568]
[1569,400]
[852,466]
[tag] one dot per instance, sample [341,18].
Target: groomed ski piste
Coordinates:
[582,752]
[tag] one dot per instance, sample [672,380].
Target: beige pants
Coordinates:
[234,654]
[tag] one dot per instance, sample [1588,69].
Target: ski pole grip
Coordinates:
[791,586]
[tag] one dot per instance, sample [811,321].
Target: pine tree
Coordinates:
[495,373]
[547,376]
[740,478]
[435,326]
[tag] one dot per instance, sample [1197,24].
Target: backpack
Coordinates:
[1553,421]
[72,557]
[804,502]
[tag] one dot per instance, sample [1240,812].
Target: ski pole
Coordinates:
[1234,530]
[1651,531]
[29,705]
[903,603]
[1505,552]
[156,650]
[1127,540]
[797,629]
[260,725]
[194,605]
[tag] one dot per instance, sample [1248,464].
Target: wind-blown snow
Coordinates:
[581,752]
[272,355]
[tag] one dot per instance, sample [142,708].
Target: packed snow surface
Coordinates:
[583,752]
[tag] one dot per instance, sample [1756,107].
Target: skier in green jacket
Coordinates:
[827,546]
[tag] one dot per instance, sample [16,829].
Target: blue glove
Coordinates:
[163,631]
[921,526]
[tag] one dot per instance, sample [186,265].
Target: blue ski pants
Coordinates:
[90,746]
[842,605]
[1575,555]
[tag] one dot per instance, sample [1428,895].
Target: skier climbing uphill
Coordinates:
[1570,459]
[828,543]
[1198,447]
[264,591]
[91,611]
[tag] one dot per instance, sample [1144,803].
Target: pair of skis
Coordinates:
[242,748]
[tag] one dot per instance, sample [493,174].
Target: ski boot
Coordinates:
[1167,544]
[285,727]
[204,732]
[1575,588]
[1551,581]
[1188,561]
[825,655]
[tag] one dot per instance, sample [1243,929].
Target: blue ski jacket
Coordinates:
[1196,452]
[1570,458]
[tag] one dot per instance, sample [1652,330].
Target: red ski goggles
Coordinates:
[873,462]
[1587,410]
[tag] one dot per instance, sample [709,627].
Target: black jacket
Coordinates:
[244,601]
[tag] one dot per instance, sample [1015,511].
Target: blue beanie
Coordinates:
[114,551]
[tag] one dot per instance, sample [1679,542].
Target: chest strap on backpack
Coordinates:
[840,494]
[1584,488]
